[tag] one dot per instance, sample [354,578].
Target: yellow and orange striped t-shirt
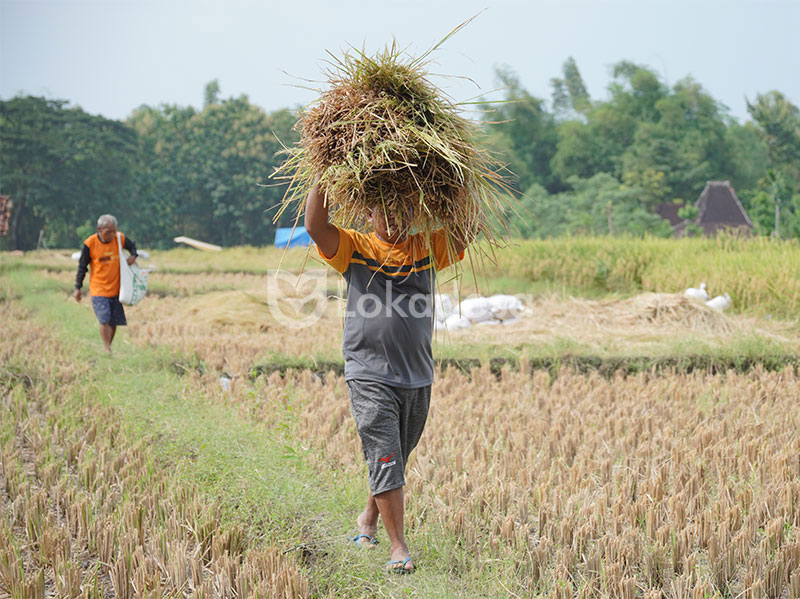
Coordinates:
[389,315]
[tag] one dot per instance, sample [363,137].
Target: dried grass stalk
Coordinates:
[384,136]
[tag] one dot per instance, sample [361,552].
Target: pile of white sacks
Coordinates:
[497,309]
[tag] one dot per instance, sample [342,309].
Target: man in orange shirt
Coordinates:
[100,252]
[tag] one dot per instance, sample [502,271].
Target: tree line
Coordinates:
[580,165]
[603,166]
[164,171]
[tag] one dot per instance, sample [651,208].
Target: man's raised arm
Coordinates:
[324,234]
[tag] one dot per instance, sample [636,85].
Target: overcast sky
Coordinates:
[110,56]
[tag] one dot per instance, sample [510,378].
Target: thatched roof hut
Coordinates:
[718,209]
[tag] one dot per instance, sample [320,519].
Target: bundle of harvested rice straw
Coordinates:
[384,136]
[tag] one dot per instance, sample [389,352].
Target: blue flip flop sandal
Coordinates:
[357,540]
[401,569]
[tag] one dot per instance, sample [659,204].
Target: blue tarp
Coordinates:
[284,237]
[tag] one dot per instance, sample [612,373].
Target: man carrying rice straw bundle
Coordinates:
[382,150]
[387,350]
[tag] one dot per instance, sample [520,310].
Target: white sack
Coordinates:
[504,307]
[454,321]
[443,305]
[477,309]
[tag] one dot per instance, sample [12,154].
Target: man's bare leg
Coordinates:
[391,507]
[107,334]
[113,332]
[367,521]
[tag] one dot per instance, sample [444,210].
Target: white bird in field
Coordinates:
[721,302]
[699,294]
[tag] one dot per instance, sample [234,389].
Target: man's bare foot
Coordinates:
[367,524]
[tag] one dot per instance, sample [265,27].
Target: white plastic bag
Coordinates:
[132,279]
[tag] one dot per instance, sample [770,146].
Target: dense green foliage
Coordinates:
[581,166]
[166,171]
[203,172]
[62,166]
[599,205]
[645,145]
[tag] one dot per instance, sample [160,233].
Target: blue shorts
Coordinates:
[108,310]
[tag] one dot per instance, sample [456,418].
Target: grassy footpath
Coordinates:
[276,496]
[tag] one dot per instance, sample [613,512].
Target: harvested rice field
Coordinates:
[633,445]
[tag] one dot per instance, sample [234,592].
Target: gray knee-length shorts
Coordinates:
[390,422]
